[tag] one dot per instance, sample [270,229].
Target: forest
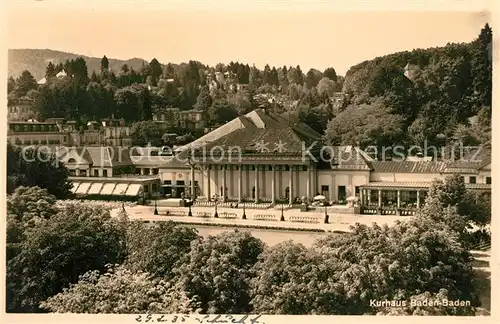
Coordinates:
[440,95]
[67,256]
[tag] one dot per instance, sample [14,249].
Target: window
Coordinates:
[462,179]
[356,190]
[104,173]
[304,168]
[488,180]
[472,179]
[341,193]
[167,182]
[96,173]
[324,191]
[72,172]
[43,141]
[155,171]
[83,173]
[287,168]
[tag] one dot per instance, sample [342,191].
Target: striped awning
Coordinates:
[83,188]
[95,188]
[120,189]
[75,187]
[108,188]
[133,189]
[397,185]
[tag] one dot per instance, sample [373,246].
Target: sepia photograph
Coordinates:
[206,162]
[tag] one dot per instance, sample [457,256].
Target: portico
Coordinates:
[257,182]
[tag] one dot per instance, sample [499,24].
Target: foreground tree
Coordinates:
[132,293]
[167,244]
[34,166]
[218,271]
[31,204]
[54,254]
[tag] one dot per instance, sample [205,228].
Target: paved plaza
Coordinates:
[337,222]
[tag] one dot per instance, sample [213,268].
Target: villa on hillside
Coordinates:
[260,157]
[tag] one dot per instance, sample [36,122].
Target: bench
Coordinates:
[203,214]
[407,212]
[176,213]
[266,217]
[304,219]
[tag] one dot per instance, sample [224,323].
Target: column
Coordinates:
[256,184]
[290,186]
[142,171]
[193,192]
[150,171]
[399,198]
[362,197]
[273,185]
[240,182]
[208,183]
[369,196]
[224,183]
[202,182]
[308,183]
[418,198]
[379,198]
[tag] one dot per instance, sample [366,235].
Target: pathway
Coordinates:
[337,222]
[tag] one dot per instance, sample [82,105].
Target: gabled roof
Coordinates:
[98,156]
[349,157]
[473,159]
[408,166]
[256,126]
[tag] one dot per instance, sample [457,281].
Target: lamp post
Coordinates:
[282,218]
[156,207]
[326,215]
[215,198]
[244,214]
[190,213]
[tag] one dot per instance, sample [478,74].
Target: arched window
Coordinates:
[71,160]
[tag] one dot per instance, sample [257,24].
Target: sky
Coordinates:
[255,32]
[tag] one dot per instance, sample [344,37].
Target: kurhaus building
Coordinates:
[265,158]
